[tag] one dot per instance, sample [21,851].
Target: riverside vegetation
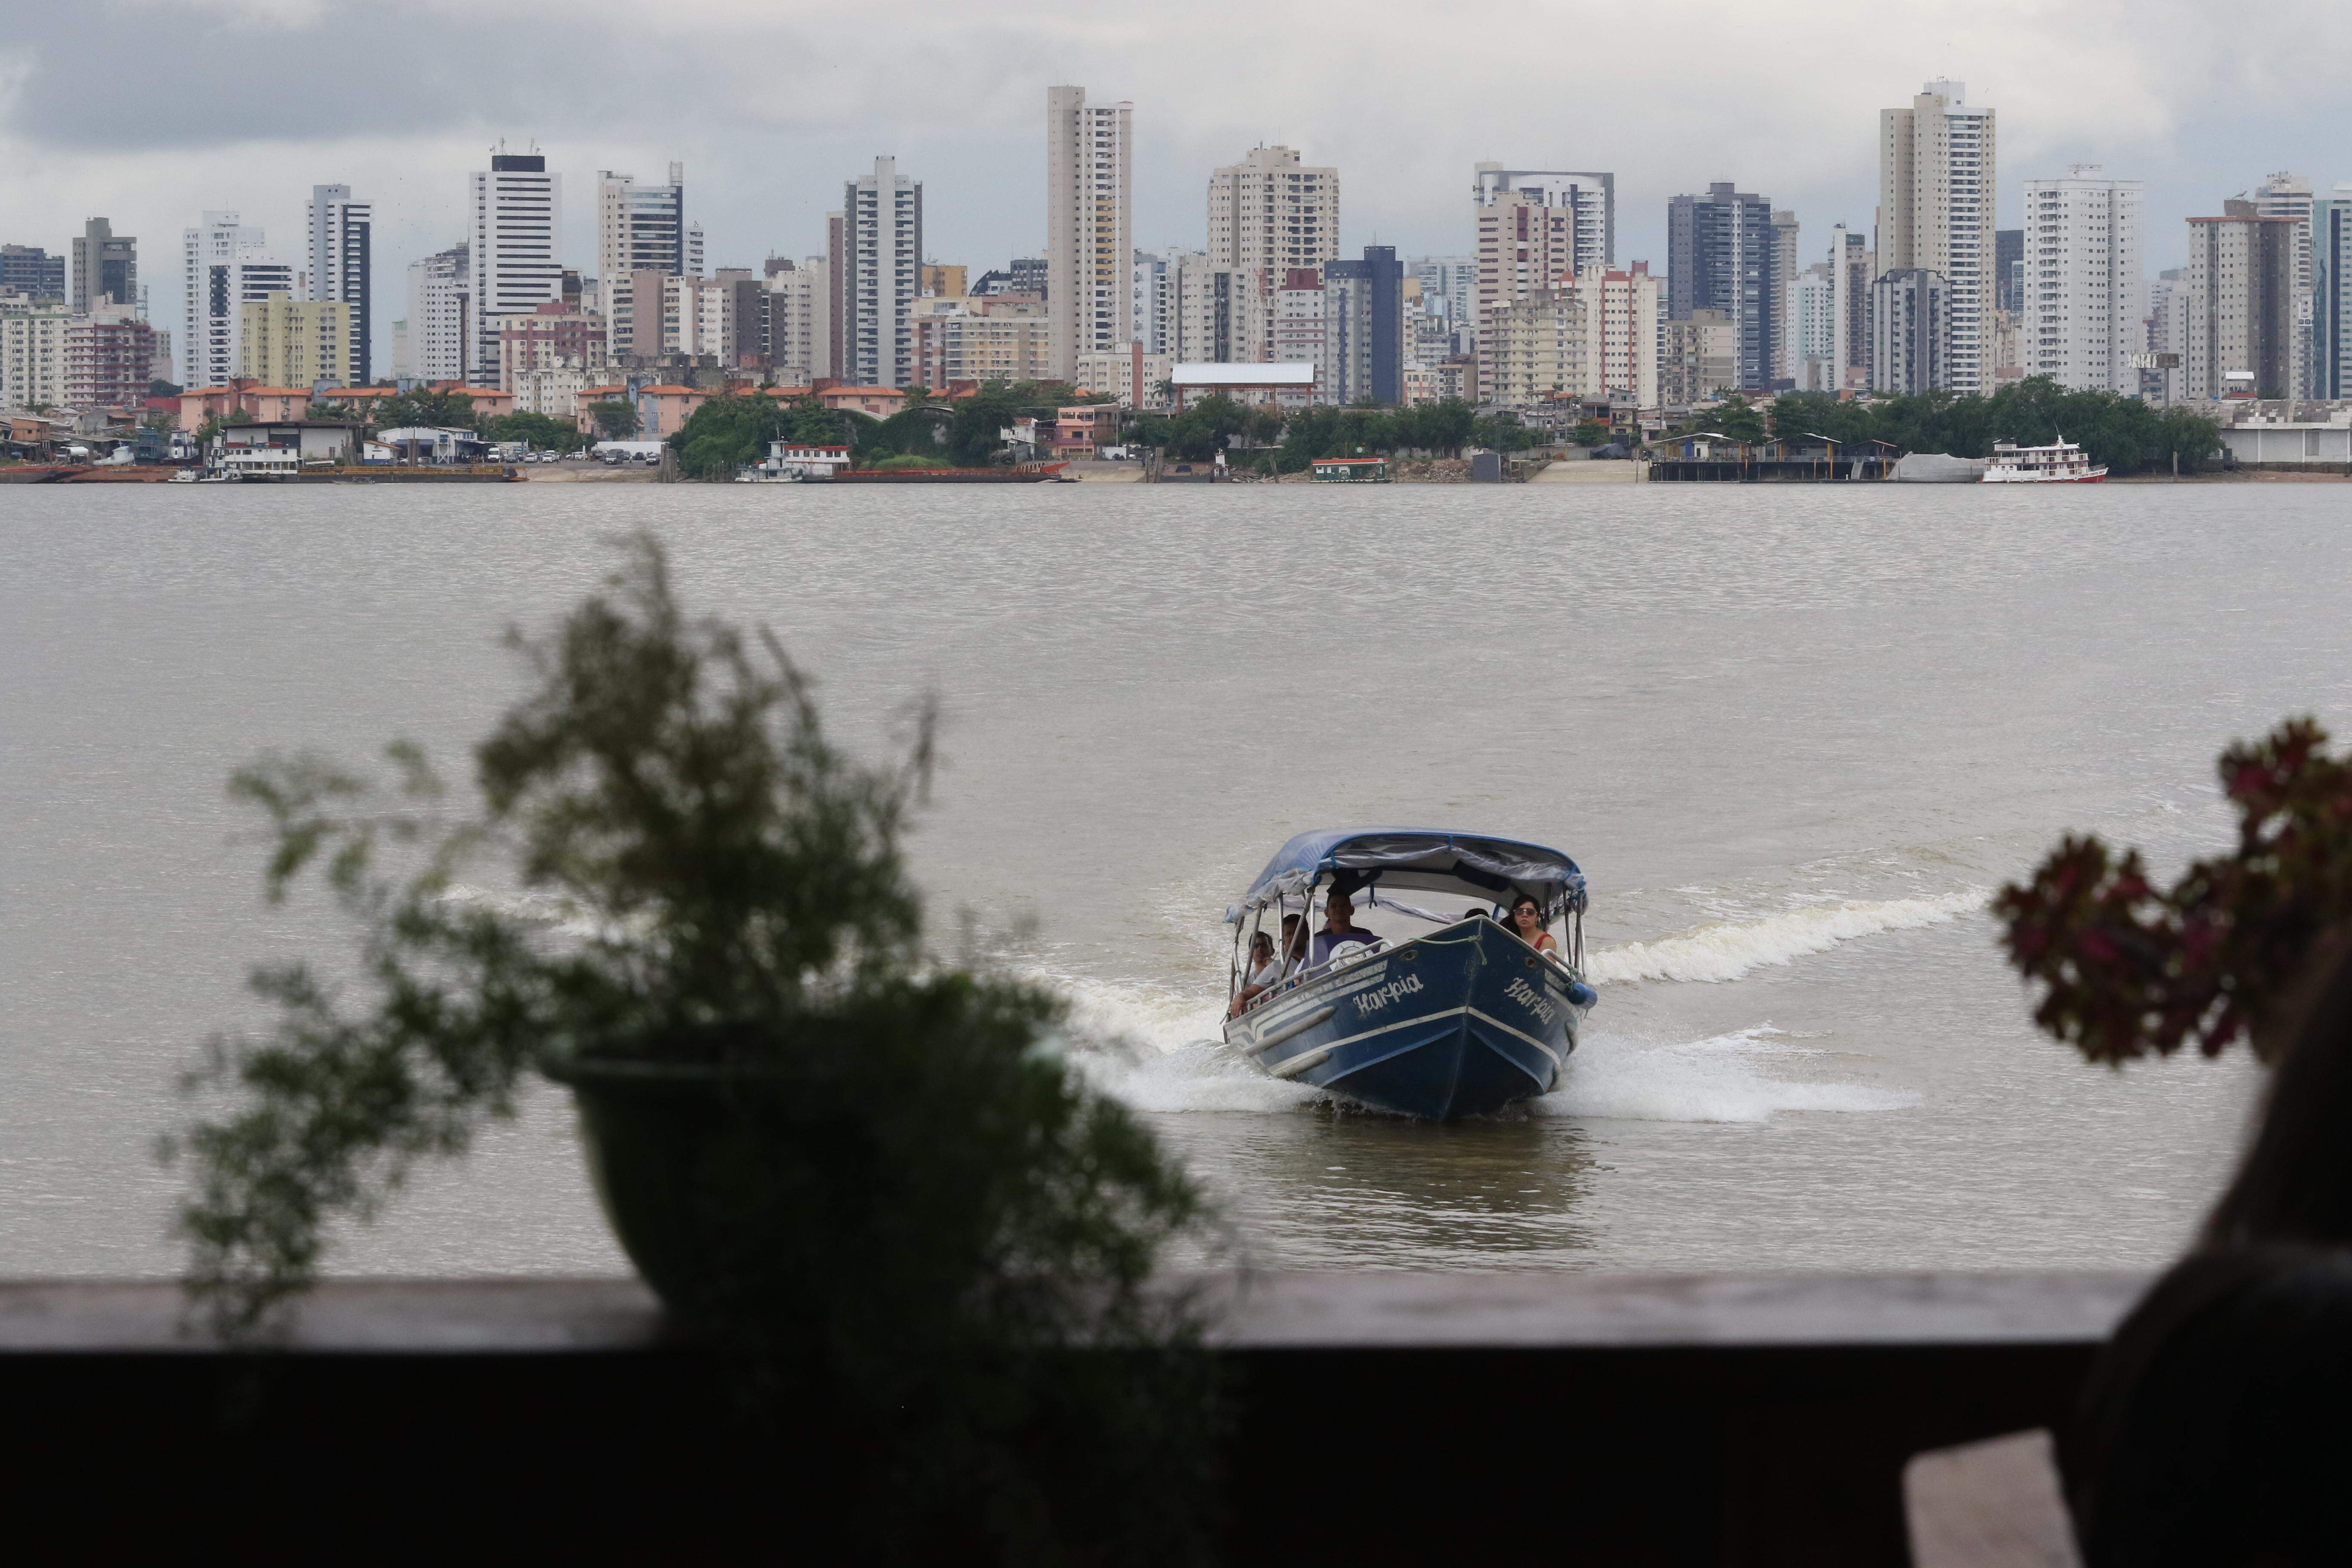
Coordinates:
[925,1243]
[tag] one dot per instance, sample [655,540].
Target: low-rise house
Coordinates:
[881,402]
[250,398]
[810,461]
[1080,432]
[303,440]
[663,411]
[431,444]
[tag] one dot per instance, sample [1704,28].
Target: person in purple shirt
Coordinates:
[1340,928]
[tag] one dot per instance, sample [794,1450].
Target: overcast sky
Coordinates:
[151,111]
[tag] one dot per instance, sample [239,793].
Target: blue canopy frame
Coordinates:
[1429,859]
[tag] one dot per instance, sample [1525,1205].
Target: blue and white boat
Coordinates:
[1454,1014]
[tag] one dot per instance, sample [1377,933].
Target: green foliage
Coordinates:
[430,407]
[728,433]
[917,431]
[975,435]
[544,432]
[1590,433]
[158,387]
[615,419]
[905,460]
[918,1213]
[1502,434]
[1734,417]
[2124,433]
[2129,970]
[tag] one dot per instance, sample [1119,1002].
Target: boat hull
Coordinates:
[1462,1022]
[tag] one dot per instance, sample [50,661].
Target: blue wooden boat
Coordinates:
[1458,1016]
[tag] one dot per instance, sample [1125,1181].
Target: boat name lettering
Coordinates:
[1528,997]
[1379,997]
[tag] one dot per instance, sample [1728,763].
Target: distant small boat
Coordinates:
[2060,463]
[1460,1020]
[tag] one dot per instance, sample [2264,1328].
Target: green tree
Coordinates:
[727,434]
[432,407]
[158,387]
[1501,433]
[1590,433]
[544,432]
[617,419]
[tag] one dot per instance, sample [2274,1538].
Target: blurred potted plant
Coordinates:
[867,1171]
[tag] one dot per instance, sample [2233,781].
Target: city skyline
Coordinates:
[2143,114]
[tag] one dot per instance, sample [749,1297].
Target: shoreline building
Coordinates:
[1722,254]
[518,223]
[881,276]
[1269,216]
[440,314]
[342,268]
[639,230]
[1089,227]
[1910,331]
[105,266]
[109,356]
[1936,194]
[34,351]
[223,267]
[2242,304]
[2082,317]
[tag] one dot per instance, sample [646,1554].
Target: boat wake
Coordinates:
[1728,950]
[1157,1050]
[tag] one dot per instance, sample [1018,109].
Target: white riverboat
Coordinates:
[2061,463]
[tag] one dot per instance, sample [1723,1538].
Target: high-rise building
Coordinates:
[109,356]
[518,225]
[1210,300]
[223,267]
[1909,331]
[1363,329]
[837,292]
[1812,328]
[800,340]
[34,352]
[343,266]
[1449,285]
[987,338]
[1854,267]
[1298,324]
[1624,308]
[1524,248]
[1153,300]
[1936,191]
[946,280]
[1590,199]
[2242,304]
[1785,262]
[286,341]
[881,276]
[29,270]
[105,266]
[440,314]
[2283,194]
[1533,347]
[1699,358]
[694,250]
[404,358]
[2331,295]
[2009,270]
[1722,253]
[1270,216]
[2081,319]
[639,229]
[1090,225]
[2167,335]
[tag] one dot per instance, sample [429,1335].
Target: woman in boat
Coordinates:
[1527,924]
[1260,975]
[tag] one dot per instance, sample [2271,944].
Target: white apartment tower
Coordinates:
[881,276]
[223,266]
[1786,260]
[1589,199]
[517,221]
[1937,169]
[800,340]
[639,229]
[341,268]
[1153,299]
[1269,216]
[1623,309]
[1089,227]
[440,314]
[2082,317]
[2289,195]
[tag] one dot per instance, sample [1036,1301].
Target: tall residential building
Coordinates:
[105,266]
[1363,329]
[518,218]
[404,358]
[1533,346]
[2009,270]
[1785,262]
[1449,285]
[1854,267]
[2082,320]
[1153,296]
[1722,252]
[1211,298]
[1909,331]
[2331,289]
[694,250]
[342,268]
[1699,358]
[881,276]
[1269,216]
[639,229]
[34,352]
[440,314]
[1090,225]
[2242,304]
[1523,247]
[286,341]
[1298,323]
[2283,194]
[223,267]
[109,356]
[29,270]
[1812,328]
[1623,309]
[836,291]
[1936,172]
[2167,335]
[1590,199]
[985,338]
[800,315]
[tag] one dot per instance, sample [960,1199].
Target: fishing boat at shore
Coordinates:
[1459,1019]
[2060,463]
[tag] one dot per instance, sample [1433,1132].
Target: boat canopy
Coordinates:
[1429,859]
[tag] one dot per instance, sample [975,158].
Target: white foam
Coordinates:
[1721,1078]
[1159,1049]
[1728,950]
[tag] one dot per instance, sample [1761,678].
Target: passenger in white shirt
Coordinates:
[1259,975]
